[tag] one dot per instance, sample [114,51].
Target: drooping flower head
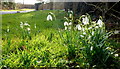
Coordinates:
[8,29]
[70,23]
[35,26]
[65,23]
[78,27]
[100,23]
[21,25]
[85,20]
[26,24]
[49,18]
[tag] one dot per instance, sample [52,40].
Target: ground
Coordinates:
[49,45]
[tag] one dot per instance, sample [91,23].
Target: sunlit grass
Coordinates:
[19,10]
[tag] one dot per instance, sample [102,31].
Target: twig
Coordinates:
[114,16]
[115,11]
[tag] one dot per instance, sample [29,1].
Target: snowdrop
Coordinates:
[116,32]
[96,27]
[94,66]
[116,55]
[21,24]
[70,23]
[8,30]
[85,20]
[83,29]
[65,23]
[84,33]
[65,28]
[111,52]
[39,61]
[26,24]
[90,28]
[108,48]
[35,26]
[81,36]
[70,15]
[93,33]
[28,29]
[49,18]
[91,48]
[100,23]
[78,27]
[89,37]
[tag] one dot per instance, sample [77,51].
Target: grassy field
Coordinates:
[38,17]
[49,45]
[18,10]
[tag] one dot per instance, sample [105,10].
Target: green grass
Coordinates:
[52,46]
[36,17]
[45,46]
[18,10]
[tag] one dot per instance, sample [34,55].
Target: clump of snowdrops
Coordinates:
[90,39]
[25,28]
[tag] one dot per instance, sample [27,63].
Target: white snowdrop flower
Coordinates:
[67,61]
[65,23]
[90,28]
[93,33]
[26,24]
[65,28]
[108,48]
[21,24]
[116,55]
[8,30]
[78,27]
[83,29]
[94,66]
[71,11]
[28,29]
[70,61]
[70,23]
[81,36]
[38,61]
[85,20]
[35,26]
[77,66]
[100,23]
[91,48]
[116,32]
[49,18]
[70,15]
[111,52]
[88,64]
[89,37]
[96,27]
[84,33]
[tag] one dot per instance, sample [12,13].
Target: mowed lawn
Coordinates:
[38,18]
